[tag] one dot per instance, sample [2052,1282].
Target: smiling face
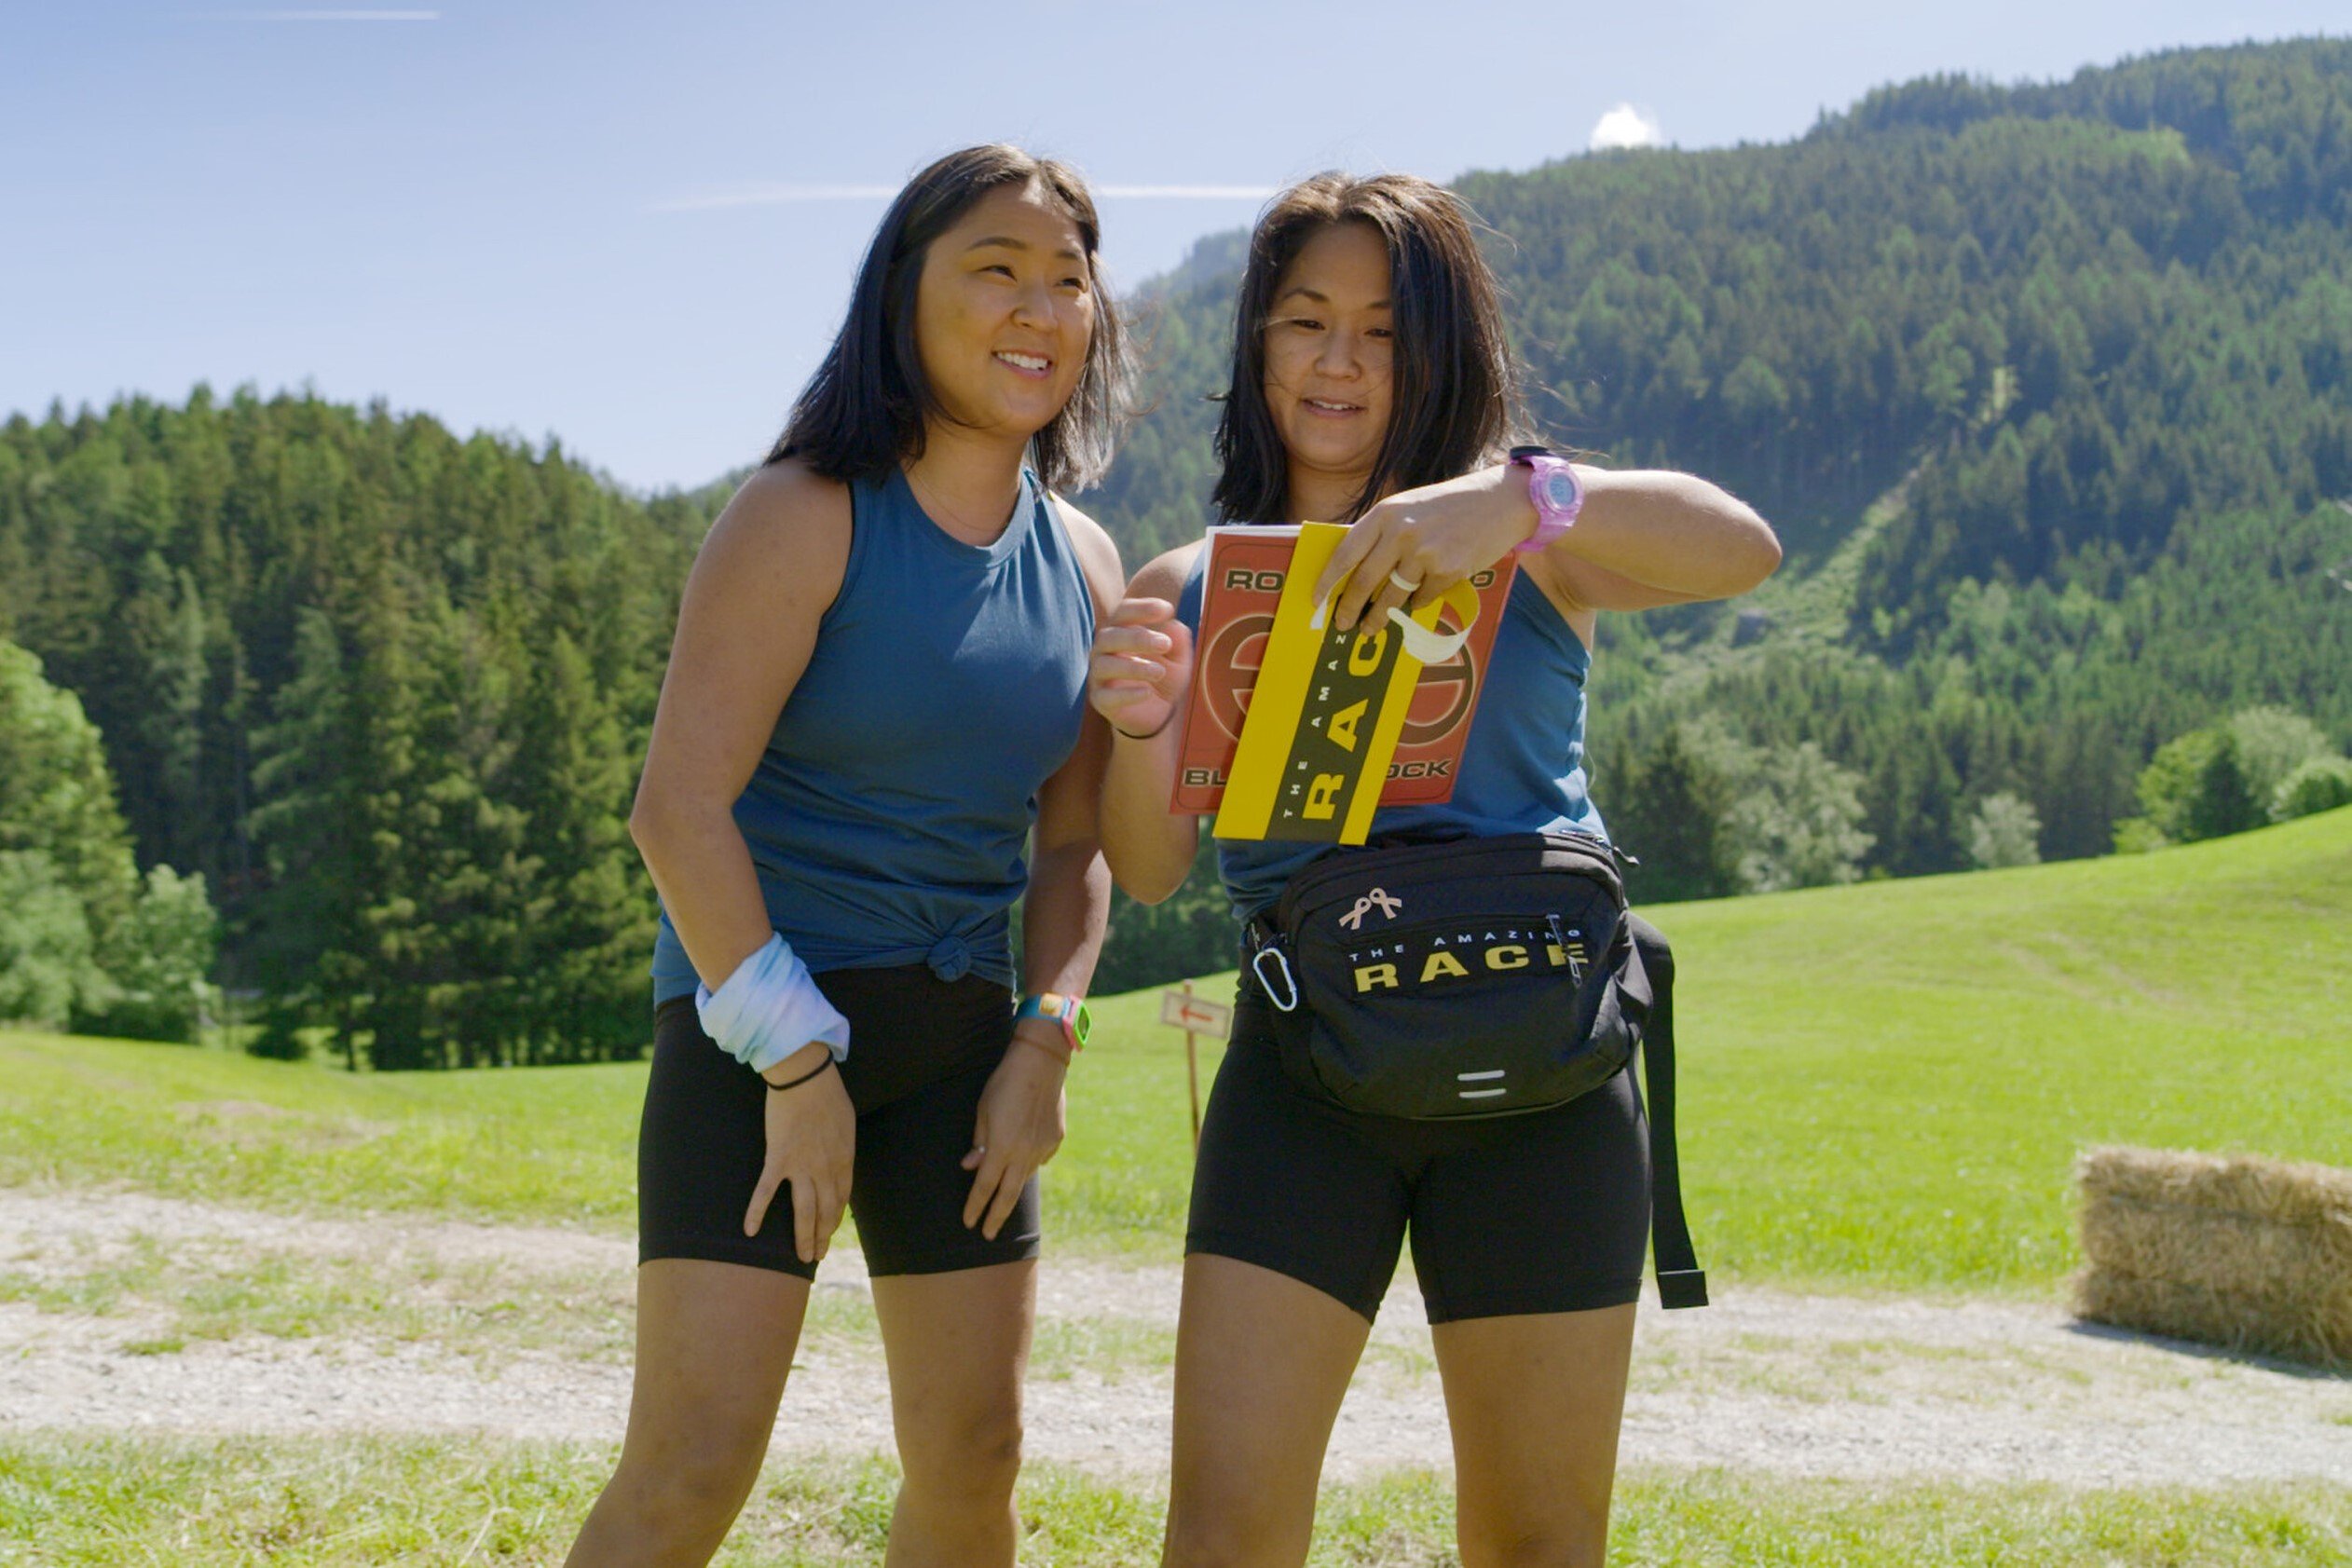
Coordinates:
[1004,312]
[1330,341]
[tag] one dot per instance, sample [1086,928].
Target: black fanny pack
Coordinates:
[1478,978]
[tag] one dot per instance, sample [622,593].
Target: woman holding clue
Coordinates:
[876,691]
[1372,385]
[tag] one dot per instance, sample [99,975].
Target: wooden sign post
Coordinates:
[1181,1009]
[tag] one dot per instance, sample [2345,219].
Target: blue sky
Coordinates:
[634,226]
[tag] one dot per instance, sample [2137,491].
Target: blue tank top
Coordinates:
[889,816]
[1522,767]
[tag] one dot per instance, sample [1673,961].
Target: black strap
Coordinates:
[774,1087]
[1681,1283]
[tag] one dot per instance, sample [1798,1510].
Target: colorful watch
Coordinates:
[1552,484]
[1070,1012]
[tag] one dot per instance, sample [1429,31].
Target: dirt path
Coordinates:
[96,1296]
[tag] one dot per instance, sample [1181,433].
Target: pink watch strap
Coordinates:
[1553,488]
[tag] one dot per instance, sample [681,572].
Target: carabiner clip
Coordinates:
[1257,967]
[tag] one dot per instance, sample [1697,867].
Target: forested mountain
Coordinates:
[2048,389]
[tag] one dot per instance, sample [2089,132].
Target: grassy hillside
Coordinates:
[1887,1083]
[1883,1085]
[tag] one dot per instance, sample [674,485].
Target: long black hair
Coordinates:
[1454,399]
[864,410]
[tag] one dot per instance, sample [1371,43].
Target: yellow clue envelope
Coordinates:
[1328,708]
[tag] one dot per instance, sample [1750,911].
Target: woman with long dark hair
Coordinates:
[876,693]
[1372,386]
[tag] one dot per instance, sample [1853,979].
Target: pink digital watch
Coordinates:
[1552,484]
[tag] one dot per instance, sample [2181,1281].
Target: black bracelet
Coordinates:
[779,1088]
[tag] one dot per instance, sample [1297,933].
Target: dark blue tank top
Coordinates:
[1522,767]
[889,817]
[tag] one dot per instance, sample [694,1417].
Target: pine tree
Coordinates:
[1669,808]
[305,822]
[585,996]
[469,886]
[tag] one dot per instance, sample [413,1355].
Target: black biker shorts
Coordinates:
[921,1050]
[1546,1211]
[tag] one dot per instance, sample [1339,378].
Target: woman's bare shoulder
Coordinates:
[778,549]
[787,506]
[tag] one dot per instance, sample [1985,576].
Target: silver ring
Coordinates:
[1411,586]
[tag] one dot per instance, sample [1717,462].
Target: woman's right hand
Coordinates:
[812,1144]
[1142,666]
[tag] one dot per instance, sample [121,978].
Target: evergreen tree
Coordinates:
[468,882]
[584,992]
[1670,808]
[308,826]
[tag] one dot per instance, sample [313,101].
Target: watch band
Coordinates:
[1070,1012]
[1553,488]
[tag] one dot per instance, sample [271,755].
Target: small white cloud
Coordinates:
[1626,126]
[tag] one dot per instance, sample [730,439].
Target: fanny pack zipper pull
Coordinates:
[1559,940]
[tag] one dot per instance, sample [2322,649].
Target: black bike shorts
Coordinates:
[1548,1211]
[921,1050]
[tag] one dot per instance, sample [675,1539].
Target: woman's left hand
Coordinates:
[1019,1125]
[1432,538]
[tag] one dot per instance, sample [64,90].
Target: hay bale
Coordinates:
[2236,1251]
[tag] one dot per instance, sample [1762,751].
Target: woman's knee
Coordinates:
[971,1448]
[686,1482]
[1553,1543]
[1195,1540]
[1236,1525]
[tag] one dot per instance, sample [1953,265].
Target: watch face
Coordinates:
[1559,490]
[1081,1022]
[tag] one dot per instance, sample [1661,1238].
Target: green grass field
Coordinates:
[1883,1085]
[352,1502]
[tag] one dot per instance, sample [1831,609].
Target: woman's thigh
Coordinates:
[957,1345]
[1528,1237]
[1535,1403]
[1262,1363]
[715,1344]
